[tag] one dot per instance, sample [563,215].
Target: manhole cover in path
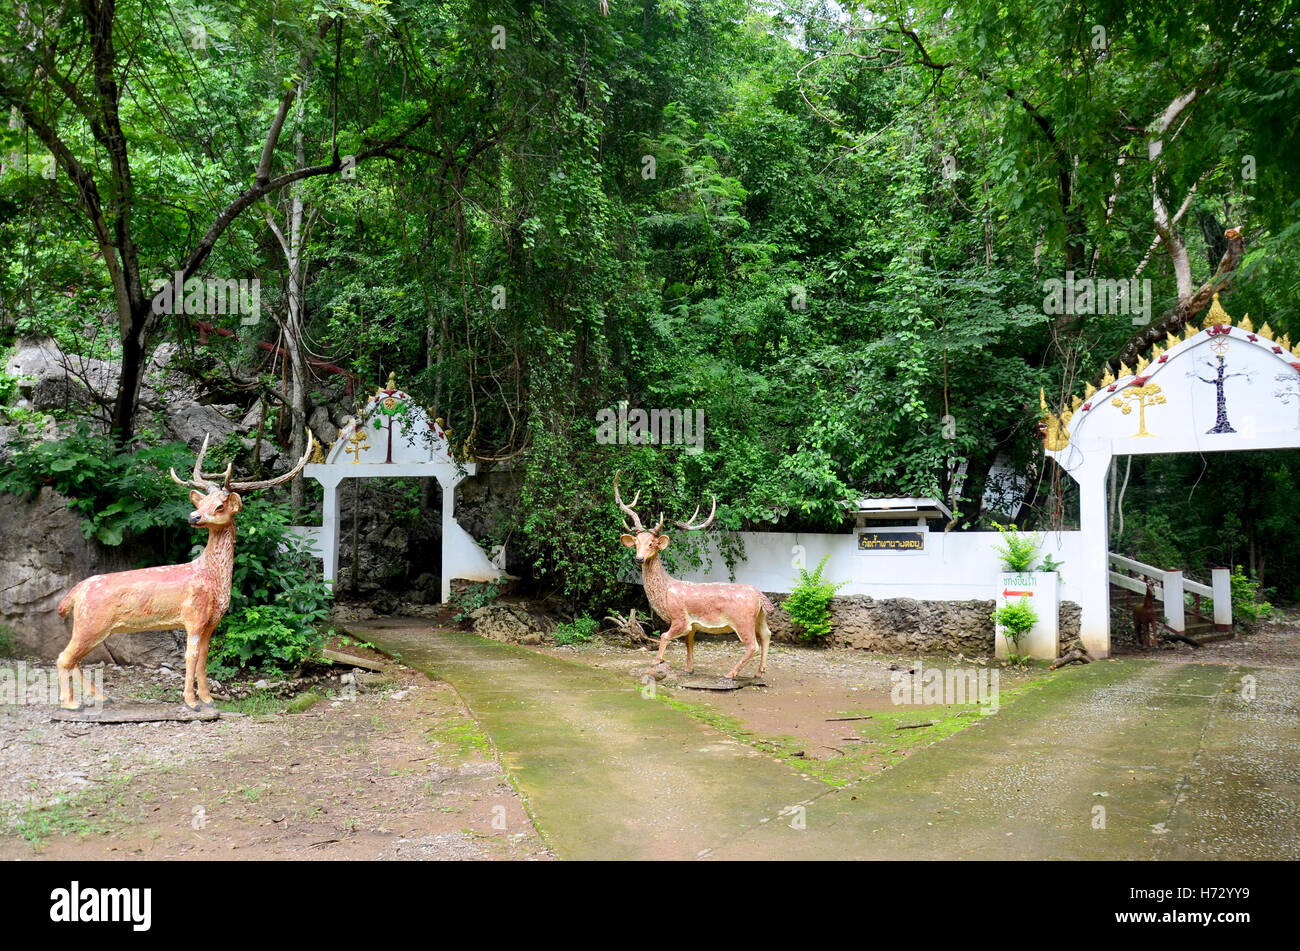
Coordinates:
[716,683]
[133,713]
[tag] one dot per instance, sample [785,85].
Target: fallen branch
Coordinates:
[1182,638]
[842,719]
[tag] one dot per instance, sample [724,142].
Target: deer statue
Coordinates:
[689,606]
[1144,619]
[194,596]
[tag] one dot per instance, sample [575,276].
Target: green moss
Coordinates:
[462,737]
[303,702]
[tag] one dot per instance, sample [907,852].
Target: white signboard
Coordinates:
[1040,590]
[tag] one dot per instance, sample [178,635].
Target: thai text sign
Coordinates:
[891,541]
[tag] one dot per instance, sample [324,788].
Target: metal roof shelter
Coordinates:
[895,509]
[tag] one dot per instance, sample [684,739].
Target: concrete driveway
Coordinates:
[1125,759]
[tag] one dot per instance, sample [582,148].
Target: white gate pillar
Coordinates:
[1221,582]
[329,532]
[1175,605]
[1094,573]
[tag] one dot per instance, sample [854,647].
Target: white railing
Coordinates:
[1170,588]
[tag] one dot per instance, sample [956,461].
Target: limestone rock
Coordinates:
[510,623]
[42,555]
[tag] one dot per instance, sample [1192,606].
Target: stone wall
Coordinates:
[906,624]
[42,555]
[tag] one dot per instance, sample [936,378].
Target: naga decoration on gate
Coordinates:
[194,596]
[690,606]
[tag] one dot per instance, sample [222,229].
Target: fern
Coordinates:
[809,602]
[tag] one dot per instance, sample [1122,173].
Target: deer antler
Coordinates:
[636,520]
[278,480]
[705,524]
[198,479]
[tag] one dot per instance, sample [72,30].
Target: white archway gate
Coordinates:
[1223,387]
[393,437]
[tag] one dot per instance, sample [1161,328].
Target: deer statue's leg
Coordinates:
[690,651]
[764,636]
[746,635]
[675,630]
[65,665]
[205,695]
[88,689]
[68,666]
[192,639]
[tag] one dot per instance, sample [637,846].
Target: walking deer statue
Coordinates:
[689,606]
[194,596]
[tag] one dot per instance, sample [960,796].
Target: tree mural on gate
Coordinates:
[1220,348]
[1289,391]
[1141,397]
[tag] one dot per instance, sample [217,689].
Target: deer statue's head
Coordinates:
[216,499]
[648,543]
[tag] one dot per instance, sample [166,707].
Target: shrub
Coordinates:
[119,494]
[1248,604]
[6,641]
[1050,564]
[1018,550]
[809,602]
[1016,619]
[470,599]
[578,631]
[278,600]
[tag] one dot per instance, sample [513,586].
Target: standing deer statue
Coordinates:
[1145,619]
[194,596]
[689,606]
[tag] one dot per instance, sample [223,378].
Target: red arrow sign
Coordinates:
[1016,594]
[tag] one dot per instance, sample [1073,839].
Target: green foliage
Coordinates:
[119,494]
[809,602]
[474,596]
[1018,550]
[578,631]
[6,640]
[1016,620]
[279,603]
[267,635]
[841,244]
[1248,604]
[1049,563]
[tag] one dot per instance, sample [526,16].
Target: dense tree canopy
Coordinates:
[828,229]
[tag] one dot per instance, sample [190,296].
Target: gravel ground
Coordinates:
[400,771]
[42,760]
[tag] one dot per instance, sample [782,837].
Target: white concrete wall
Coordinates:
[957,566]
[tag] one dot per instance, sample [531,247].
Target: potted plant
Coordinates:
[1014,621]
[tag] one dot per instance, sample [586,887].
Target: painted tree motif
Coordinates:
[391,407]
[1289,391]
[1141,397]
[1220,348]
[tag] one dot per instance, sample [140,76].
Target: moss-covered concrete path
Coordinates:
[1131,759]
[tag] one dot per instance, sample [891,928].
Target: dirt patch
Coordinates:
[395,769]
[829,712]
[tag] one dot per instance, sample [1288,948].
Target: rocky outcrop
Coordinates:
[43,553]
[509,622]
[906,624]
